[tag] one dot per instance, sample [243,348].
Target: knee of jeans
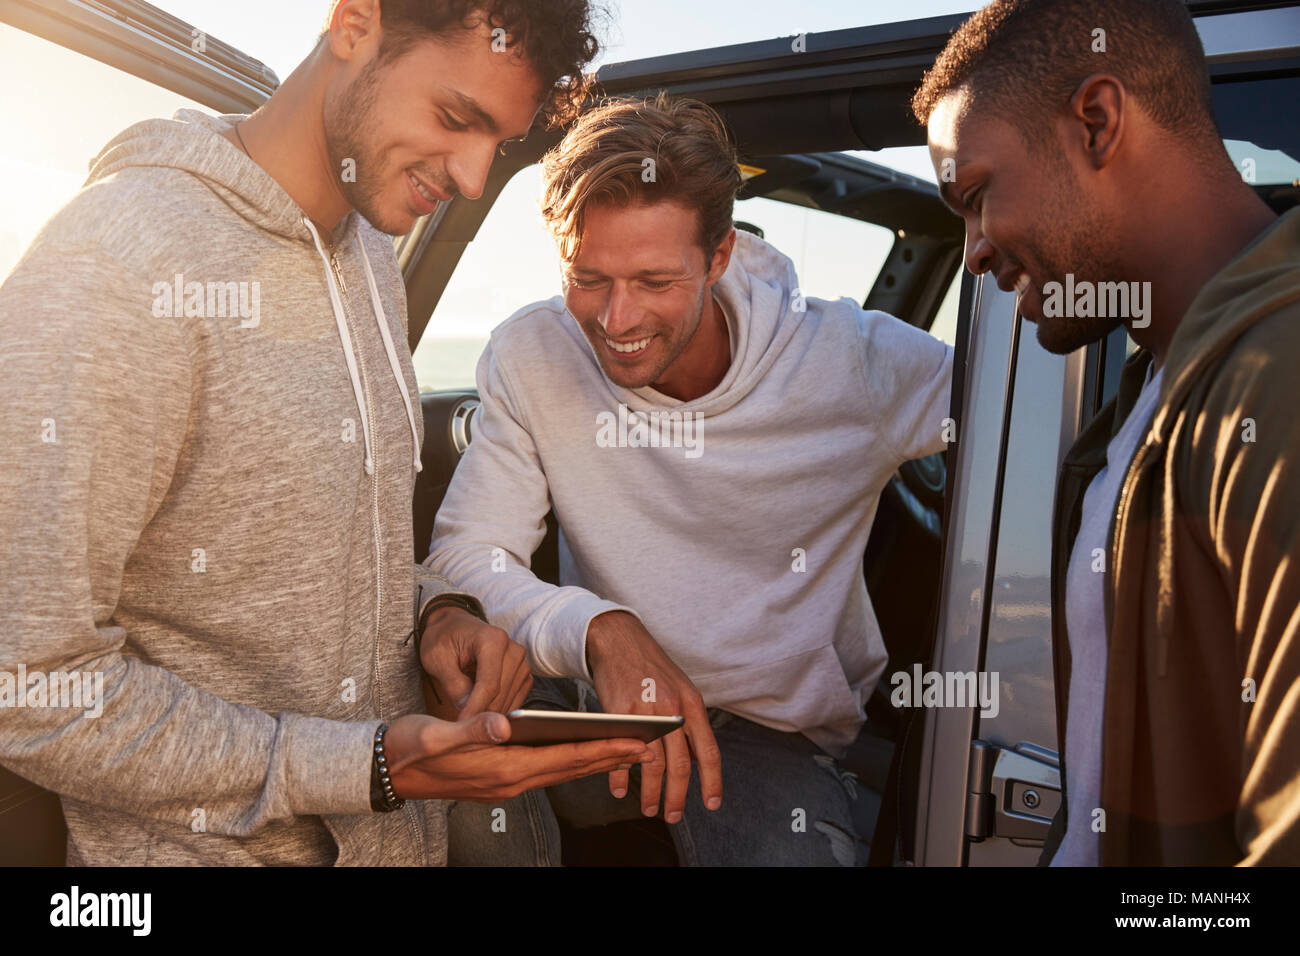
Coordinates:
[845,778]
[844,843]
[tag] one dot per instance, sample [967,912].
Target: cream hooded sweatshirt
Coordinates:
[733,525]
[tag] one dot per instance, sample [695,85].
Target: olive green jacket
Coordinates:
[1201,726]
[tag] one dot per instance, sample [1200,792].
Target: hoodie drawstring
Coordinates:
[382,321]
[377,310]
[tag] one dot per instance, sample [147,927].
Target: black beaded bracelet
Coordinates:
[383,799]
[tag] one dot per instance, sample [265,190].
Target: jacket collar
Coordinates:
[1088,453]
[1258,280]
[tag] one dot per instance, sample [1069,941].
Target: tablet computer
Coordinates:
[536,728]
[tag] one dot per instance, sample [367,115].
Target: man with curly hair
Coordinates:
[208,536]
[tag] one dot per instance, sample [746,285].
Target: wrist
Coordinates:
[432,624]
[437,613]
[443,602]
[603,632]
[383,796]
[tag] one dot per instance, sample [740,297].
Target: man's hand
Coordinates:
[431,759]
[623,655]
[475,667]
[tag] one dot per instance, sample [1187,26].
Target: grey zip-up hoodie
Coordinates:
[209,434]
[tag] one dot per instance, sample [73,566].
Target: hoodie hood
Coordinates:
[1262,278]
[192,142]
[759,293]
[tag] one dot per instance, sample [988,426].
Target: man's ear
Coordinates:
[1097,118]
[722,257]
[352,24]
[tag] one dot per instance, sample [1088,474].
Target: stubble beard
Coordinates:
[1082,253]
[662,370]
[349,129]
[1064,334]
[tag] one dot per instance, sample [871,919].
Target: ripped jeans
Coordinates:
[785,802]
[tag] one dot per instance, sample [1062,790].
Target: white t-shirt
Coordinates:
[1085,618]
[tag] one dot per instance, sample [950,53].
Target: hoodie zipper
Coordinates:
[374,484]
[338,274]
[408,812]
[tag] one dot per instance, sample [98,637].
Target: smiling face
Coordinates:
[426,125]
[639,287]
[1030,216]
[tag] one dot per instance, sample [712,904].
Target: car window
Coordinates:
[1261,166]
[834,256]
[69,108]
[512,262]
[945,320]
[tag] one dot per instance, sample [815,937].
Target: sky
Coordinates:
[282,32]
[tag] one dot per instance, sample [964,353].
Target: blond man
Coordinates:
[695,421]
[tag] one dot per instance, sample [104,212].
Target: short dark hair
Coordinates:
[1025,58]
[556,37]
[629,149]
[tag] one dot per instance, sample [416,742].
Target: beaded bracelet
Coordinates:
[383,799]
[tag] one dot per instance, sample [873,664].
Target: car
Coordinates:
[957,565]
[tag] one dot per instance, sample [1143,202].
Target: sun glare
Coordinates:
[60,109]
